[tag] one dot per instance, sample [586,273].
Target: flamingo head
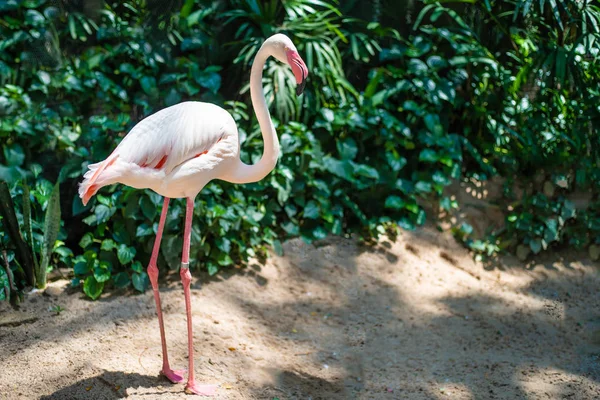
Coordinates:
[285,51]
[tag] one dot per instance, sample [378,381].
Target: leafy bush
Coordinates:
[387,122]
[540,130]
[34,241]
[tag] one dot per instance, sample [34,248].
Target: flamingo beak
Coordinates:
[299,69]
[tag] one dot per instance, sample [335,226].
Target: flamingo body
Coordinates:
[175,152]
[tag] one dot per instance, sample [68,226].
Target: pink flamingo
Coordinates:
[176,152]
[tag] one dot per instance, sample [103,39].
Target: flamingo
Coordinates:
[175,152]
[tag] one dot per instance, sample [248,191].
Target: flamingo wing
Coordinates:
[161,141]
[170,137]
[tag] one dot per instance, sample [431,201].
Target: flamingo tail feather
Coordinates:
[90,184]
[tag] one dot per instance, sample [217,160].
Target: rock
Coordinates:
[52,291]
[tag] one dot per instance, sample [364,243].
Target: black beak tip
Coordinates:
[300,87]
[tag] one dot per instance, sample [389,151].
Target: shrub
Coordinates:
[387,122]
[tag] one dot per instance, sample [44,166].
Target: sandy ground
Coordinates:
[412,319]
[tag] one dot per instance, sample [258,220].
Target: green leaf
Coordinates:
[140,281]
[28,225]
[339,168]
[347,148]
[311,210]
[291,228]
[406,224]
[417,67]
[148,208]
[86,240]
[102,272]
[81,268]
[223,244]
[44,77]
[4,285]
[92,288]
[132,207]
[432,122]
[172,98]
[328,114]
[405,186]
[125,254]
[34,18]
[466,228]
[568,211]
[188,5]
[144,230]
[394,202]
[212,269]
[366,171]
[77,206]
[421,217]
[436,62]
[194,17]
[14,155]
[395,161]
[51,229]
[108,245]
[209,80]
[193,43]
[535,245]
[102,213]
[278,247]
[424,187]
[224,260]
[413,208]
[552,226]
[149,86]
[121,280]
[428,155]
[319,233]
[136,266]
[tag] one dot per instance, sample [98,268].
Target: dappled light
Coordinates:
[337,320]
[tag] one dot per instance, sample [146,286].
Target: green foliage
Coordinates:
[26,237]
[56,309]
[469,90]
[8,289]
[13,233]
[544,122]
[51,229]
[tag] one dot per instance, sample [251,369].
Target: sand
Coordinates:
[416,318]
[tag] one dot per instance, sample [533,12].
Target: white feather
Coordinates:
[180,133]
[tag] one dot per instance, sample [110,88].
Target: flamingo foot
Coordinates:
[174,376]
[201,390]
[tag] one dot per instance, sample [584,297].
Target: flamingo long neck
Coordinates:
[252,173]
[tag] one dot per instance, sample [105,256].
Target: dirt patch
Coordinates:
[413,319]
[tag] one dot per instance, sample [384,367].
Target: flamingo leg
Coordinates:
[173,376]
[186,279]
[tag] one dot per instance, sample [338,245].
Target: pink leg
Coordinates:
[173,376]
[186,278]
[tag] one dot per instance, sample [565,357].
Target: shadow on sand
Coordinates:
[371,334]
